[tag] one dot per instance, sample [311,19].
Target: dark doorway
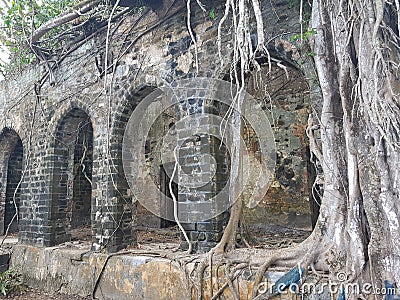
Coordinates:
[167,208]
[13,190]
[11,158]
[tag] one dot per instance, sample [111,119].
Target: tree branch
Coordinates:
[68,16]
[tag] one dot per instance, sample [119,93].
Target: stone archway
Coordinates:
[11,166]
[72,175]
[290,206]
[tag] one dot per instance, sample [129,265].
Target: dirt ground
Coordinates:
[272,236]
[267,237]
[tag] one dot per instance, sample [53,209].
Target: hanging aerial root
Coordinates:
[176,217]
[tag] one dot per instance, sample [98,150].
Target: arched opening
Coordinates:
[11,175]
[72,177]
[288,211]
[159,214]
[146,225]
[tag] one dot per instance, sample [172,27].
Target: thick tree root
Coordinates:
[299,258]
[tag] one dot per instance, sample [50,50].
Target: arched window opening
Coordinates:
[11,175]
[72,182]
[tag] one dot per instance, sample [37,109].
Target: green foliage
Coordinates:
[212,14]
[311,53]
[11,282]
[294,3]
[20,20]
[306,9]
[305,36]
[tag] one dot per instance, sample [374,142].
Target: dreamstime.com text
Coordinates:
[323,287]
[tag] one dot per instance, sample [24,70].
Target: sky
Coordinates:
[3,54]
[3,50]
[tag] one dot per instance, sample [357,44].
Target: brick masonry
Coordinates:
[71,133]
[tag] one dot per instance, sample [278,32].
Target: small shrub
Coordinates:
[212,14]
[11,282]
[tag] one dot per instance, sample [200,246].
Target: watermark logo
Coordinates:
[170,129]
[333,287]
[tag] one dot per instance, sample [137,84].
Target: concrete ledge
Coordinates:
[74,272]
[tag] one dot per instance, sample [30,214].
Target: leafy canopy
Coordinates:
[19,21]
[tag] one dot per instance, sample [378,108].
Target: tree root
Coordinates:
[280,257]
[236,271]
[290,255]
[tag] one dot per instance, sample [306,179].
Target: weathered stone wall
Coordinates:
[75,272]
[133,276]
[161,55]
[285,96]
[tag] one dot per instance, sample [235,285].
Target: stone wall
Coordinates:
[81,92]
[75,272]
[285,97]
[135,276]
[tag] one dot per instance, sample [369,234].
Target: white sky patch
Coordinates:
[4,53]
